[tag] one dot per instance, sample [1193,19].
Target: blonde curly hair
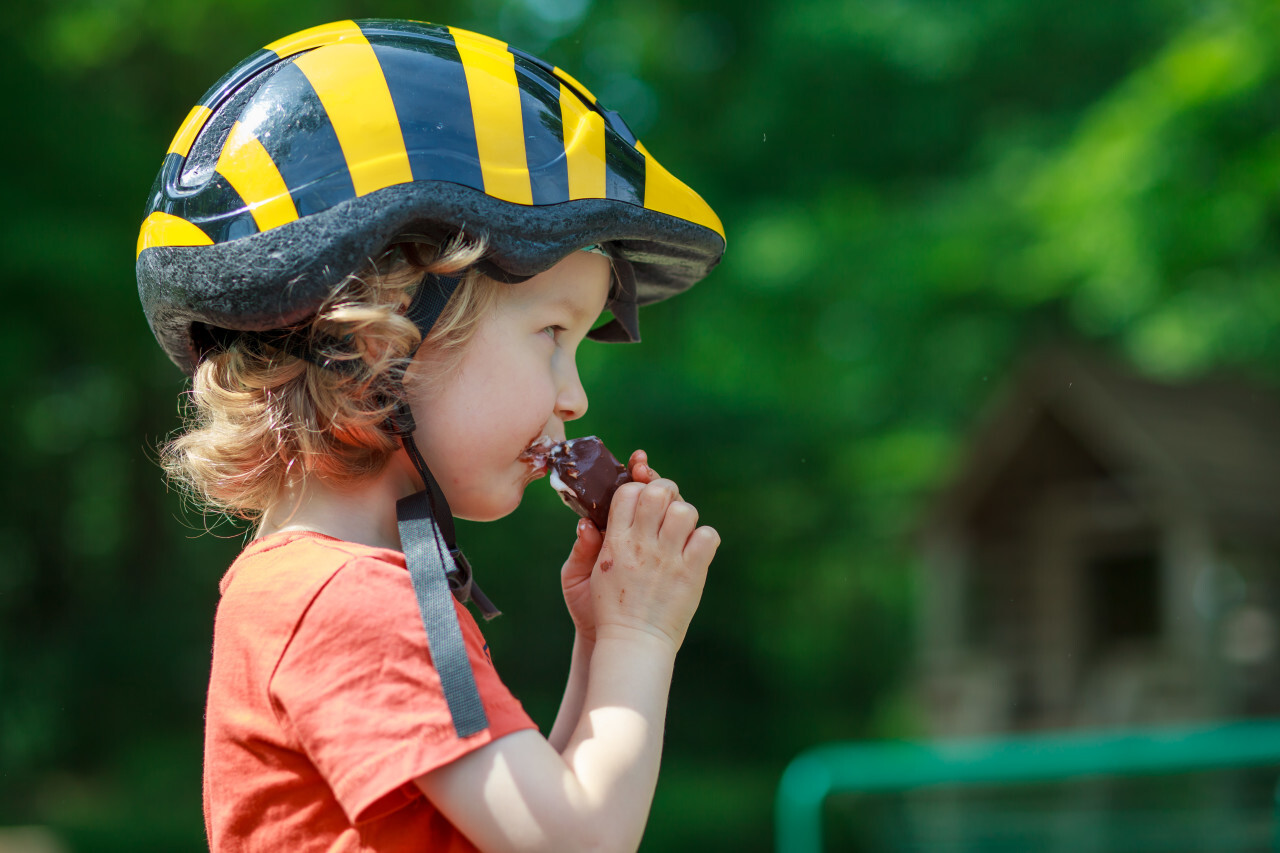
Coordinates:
[260,415]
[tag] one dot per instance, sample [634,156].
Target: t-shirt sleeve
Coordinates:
[357,688]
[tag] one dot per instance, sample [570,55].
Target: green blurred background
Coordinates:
[918,194]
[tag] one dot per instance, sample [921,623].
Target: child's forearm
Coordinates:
[518,794]
[615,750]
[575,692]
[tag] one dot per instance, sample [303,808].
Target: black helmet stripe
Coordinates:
[624,179]
[436,120]
[544,135]
[320,179]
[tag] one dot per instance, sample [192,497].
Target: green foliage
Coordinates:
[916,194]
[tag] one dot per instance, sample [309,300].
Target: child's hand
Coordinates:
[575,575]
[575,579]
[653,563]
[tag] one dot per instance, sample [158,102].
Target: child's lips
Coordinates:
[536,453]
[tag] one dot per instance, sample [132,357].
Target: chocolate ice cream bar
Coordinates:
[586,474]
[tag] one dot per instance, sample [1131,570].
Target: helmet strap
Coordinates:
[438,570]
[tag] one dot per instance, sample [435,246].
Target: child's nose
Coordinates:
[571,403]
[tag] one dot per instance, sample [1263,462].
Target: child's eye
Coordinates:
[552,331]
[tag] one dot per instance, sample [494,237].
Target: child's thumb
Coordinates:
[586,548]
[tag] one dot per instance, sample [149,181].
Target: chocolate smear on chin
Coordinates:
[585,475]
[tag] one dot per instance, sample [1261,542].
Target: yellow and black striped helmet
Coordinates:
[325,147]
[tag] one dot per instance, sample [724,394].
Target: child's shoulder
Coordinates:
[287,570]
[283,583]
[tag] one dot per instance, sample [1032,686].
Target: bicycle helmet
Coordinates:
[324,147]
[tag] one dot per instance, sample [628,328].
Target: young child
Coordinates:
[377,246]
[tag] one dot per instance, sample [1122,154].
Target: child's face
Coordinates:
[517,381]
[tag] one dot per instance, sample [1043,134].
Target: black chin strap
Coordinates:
[438,570]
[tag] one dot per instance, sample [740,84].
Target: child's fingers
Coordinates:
[589,538]
[677,525]
[652,503]
[701,547]
[622,509]
[638,467]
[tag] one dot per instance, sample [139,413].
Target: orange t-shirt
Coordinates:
[324,706]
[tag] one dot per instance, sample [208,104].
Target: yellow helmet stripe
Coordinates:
[253,175]
[190,128]
[584,147]
[495,109]
[665,193]
[165,229]
[349,82]
[317,37]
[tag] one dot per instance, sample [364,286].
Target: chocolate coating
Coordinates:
[585,475]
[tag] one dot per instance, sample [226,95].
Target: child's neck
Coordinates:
[364,512]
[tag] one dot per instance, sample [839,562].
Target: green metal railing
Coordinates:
[886,768]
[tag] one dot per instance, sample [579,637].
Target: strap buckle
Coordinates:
[464,587]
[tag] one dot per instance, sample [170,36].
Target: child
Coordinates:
[376,246]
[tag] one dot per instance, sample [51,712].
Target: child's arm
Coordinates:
[519,793]
[575,579]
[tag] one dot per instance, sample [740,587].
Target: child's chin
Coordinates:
[491,512]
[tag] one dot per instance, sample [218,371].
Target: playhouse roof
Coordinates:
[1211,444]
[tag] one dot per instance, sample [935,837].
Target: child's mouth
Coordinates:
[536,453]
